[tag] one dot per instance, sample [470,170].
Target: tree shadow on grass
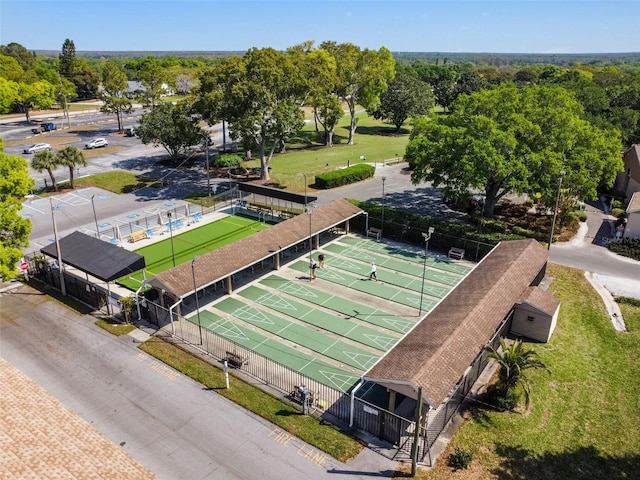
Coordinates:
[581,463]
[387,131]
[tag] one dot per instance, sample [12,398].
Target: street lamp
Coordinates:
[427,237]
[555,211]
[195,292]
[309,212]
[206,156]
[95,219]
[305,191]
[173,255]
[382,225]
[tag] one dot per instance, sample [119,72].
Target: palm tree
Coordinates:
[45,160]
[513,361]
[73,158]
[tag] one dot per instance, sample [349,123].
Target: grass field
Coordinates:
[199,241]
[584,417]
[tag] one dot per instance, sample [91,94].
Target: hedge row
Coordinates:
[345,176]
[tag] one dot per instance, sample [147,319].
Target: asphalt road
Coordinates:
[165,420]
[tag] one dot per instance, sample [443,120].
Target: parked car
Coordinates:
[37,147]
[96,143]
[130,132]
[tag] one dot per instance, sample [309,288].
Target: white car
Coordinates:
[37,147]
[96,143]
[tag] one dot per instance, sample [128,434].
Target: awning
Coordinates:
[99,259]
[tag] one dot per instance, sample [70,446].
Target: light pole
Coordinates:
[95,218]
[305,191]
[206,156]
[195,292]
[555,211]
[427,237]
[173,255]
[366,223]
[309,212]
[63,287]
[382,225]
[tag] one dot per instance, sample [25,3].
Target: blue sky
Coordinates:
[507,26]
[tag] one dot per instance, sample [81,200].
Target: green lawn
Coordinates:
[585,416]
[158,256]
[374,140]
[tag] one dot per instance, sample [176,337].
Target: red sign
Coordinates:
[24,266]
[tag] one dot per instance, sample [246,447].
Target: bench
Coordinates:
[138,235]
[374,232]
[456,253]
[235,360]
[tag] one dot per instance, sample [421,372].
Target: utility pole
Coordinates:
[63,287]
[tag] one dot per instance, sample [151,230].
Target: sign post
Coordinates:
[24,267]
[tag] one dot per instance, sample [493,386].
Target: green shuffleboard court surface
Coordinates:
[405,254]
[405,275]
[338,378]
[198,241]
[359,280]
[344,306]
[302,335]
[331,323]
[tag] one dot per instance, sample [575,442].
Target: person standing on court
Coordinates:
[314,265]
[321,260]
[372,275]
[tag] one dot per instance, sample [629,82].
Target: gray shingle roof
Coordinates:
[437,352]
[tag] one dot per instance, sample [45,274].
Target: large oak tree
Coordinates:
[259,95]
[514,140]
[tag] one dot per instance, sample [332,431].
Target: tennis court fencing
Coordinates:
[164,221]
[396,433]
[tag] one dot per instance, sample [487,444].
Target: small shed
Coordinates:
[535,315]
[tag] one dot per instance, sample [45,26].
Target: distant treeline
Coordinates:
[492,59]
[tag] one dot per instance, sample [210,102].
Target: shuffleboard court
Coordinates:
[412,278]
[371,337]
[304,336]
[327,374]
[342,305]
[199,241]
[405,254]
[362,284]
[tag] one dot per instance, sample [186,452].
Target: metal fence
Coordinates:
[166,220]
[406,233]
[367,417]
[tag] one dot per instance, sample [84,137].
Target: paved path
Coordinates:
[159,417]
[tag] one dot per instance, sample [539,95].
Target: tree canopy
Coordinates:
[175,127]
[406,96]
[260,95]
[514,140]
[14,229]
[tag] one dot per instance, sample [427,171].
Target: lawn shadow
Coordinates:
[383,130]
[581,463]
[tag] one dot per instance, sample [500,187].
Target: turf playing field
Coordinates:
[198,241]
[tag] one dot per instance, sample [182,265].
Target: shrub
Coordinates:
[227,160]
[345,176]
[627,248]
[617,212]
[629,301]
[616,204]
[460,459]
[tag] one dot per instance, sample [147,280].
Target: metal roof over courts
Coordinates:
[276,193]
[95,257]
